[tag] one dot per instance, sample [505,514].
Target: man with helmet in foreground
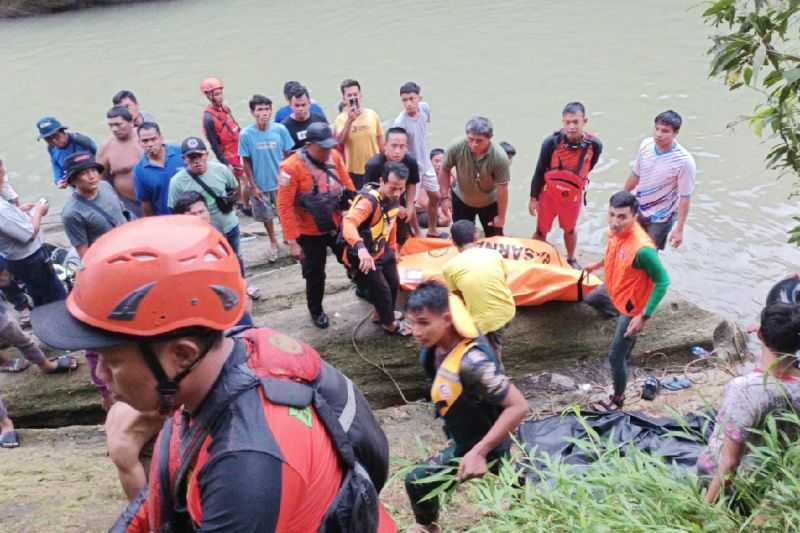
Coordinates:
[264,436]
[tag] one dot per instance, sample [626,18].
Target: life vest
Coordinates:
[375,231]
[628,287]
[228,132]
[277,370]
[466,419]
[322,205]
[568,184]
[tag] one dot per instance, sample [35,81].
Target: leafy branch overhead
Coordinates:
[757,47]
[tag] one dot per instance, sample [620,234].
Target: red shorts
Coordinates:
[550,207]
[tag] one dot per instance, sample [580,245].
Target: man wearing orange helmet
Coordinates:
[264,436]
[221,129]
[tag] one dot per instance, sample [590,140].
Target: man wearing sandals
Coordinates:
[370,229]
[635,283]
[471,393]
[11,333]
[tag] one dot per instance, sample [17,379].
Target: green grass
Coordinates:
[631,492]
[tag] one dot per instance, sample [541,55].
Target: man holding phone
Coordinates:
[359,130]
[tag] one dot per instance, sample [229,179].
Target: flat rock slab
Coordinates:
[550,337]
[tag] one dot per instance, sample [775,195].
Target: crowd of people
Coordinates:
[278,439]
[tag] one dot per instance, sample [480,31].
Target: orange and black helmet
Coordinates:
[146,279]
[211,84]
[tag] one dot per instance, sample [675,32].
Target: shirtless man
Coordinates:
[119,154]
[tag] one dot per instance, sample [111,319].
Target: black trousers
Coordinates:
[315,254]
[462,211]
[381,285]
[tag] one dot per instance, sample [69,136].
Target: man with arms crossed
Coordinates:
[663,177]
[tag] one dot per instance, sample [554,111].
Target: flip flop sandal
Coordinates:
[398,315]
[401,329]
[64,364]
[9,440]
[676,383]
[607,406]
[16,365]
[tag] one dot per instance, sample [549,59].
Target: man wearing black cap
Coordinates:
[61,144]
[94,208]
[214,181]
[311,194]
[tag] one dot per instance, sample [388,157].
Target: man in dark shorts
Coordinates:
[481,185]
[470,391]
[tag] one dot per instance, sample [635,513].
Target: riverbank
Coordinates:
[27,8]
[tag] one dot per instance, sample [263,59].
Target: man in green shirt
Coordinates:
[481,185]
[635,283]
[217,179]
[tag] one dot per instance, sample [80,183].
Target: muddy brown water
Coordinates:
[516,62]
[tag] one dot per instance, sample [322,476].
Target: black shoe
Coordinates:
[574,264]
[362,292]
[321,320]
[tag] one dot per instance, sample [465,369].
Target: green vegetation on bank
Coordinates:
[628,491]
[756,47]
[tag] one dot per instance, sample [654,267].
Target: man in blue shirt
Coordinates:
[61,144]
[288,89]
[153,172]
[262,146]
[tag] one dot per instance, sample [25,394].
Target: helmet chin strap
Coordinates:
[168,387]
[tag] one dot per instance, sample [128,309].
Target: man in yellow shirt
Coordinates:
[479,276]
[359,130]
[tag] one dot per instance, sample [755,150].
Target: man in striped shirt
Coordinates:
[663,177]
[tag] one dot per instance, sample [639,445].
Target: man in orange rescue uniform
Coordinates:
[313,189]
[635,283]
[263,435]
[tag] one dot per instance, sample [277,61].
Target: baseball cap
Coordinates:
[320,133]
[48,126]
[193,145]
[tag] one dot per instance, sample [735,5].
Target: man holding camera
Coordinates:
[215,182]
[359,130]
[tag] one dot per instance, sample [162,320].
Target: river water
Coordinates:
[515,62]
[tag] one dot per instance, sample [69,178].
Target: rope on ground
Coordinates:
[373,364]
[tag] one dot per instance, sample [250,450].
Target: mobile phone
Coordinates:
[43,201]
[354,102]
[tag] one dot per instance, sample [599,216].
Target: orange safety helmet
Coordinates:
[211,84]
[159,274]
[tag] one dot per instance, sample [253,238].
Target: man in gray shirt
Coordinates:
[94,208]
[21,244]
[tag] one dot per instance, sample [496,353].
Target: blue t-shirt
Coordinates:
[285,111]
[151,182]
[77,143]
[265,150]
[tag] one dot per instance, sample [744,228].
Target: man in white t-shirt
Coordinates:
[414,118]
[663,177]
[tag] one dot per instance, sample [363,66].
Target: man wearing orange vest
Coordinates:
[262,434]
[221,129]
[635,283]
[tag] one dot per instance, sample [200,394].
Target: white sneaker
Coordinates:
[272,254]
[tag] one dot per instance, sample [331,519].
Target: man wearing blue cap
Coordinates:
[61,144]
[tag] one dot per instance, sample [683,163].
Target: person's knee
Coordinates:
[569,232]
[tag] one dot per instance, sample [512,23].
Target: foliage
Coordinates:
[629,491]
[756,49]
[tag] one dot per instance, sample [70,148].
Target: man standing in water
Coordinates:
[561,176]
[471,393]
[635,283]
[61,144]
[481,185]
[119,154]
[663,177]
